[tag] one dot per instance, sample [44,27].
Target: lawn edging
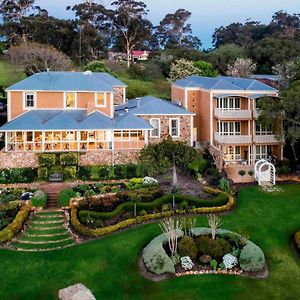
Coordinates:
[90,232]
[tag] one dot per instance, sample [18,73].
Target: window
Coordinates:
[263,151]
[174,127]
[229,128]
[100,99]
[70,100]
[261,129]
[155,132]
[29,100]
[229,103]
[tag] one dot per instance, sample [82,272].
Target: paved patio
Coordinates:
[233,173]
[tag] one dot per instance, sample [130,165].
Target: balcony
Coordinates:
[233,114]
[256,113]
[265,139]
[233,139]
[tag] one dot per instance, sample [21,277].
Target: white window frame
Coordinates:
[178,127]
[229,103]
[25,100]
[96,104]
[65,100]
[151,132]
[261,129]
[229,128]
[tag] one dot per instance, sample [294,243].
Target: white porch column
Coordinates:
[78,137]
[192,130]
[113,147]
[253,153]
[6,140]
[147,137]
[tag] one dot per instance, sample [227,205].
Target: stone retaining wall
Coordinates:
[10,160]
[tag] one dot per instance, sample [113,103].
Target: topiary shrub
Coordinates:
[214,248]
[43,173]
[65,196]
[46,159]
[69,159]
[187,247]
[252,258]
[70,172]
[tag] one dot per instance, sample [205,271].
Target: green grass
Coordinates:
[43,246]
[108,266]
[62,236]
[48,219]
[10,74]
[46,231]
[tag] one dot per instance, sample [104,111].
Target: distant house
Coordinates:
[140,55]
[271,80]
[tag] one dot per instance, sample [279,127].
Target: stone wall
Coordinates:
[119,95]
[107,157]
[10,160]
[184,128]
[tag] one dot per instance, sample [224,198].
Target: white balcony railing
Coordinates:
[265,139]
[233,139]
[233,114]
[256,113]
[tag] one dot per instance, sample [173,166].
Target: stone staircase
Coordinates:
[53,190]
[46,230]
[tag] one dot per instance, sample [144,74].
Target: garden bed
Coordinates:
[228,253]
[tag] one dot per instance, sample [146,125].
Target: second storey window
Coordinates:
[29,100]
[100,100]
[155,132]
[174,127]
[261,129]
[70,100]
[229,128]
[229,103]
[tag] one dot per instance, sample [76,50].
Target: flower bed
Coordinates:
[221,203]
[229,253]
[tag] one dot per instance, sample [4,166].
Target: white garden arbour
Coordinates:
[264,172]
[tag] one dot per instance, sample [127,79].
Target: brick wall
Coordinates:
[119,95]
[184,127]
[106,158]
[18,160]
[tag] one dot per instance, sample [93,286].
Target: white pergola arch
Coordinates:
[264,172]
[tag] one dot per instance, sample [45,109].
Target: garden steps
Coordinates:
[53,190]
[46,231]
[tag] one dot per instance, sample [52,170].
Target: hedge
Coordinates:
[10,205]
[84,230]
[16,225]
[18,175]
[221,199]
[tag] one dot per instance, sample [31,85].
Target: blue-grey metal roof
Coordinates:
[129,121]
[223,83]
[68,81]
[59,120]
[149,105]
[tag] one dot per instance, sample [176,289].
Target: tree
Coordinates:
[217,156]
[130,26]
[96,66]
[224,55]
[34,57]
[287,72]
[173,31]
[171,227]
[242,173]
[205,68]
[242,67]
[182,68]
[15,10]
[214,222]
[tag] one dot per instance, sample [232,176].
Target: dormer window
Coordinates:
[70,100]
[29,100]
[100,99]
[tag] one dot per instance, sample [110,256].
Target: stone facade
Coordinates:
[10,160]
[119,95]
[107,158]
[185,128]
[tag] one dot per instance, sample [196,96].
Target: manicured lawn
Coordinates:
[109,266]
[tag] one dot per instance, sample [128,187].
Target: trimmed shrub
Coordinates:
[16,225]
[39,198]
[65,196]
[252,258]
[69,159]
[43,173]
[18,175]
[213,264]
[215,248]
[187,247]
[47,159]
[70,172]
[198,165]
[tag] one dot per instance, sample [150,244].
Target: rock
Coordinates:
[76,292]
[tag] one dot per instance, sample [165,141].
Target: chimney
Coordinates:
[138,102]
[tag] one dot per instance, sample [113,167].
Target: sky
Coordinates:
[206,14]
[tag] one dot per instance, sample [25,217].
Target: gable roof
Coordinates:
[223,83]
[129,121]
[149,105]
[68,81]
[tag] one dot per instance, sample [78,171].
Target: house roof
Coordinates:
[252,96]
[68,81]
[149,105]
[139,52]
[223,83]
[59,120]
[129,121]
